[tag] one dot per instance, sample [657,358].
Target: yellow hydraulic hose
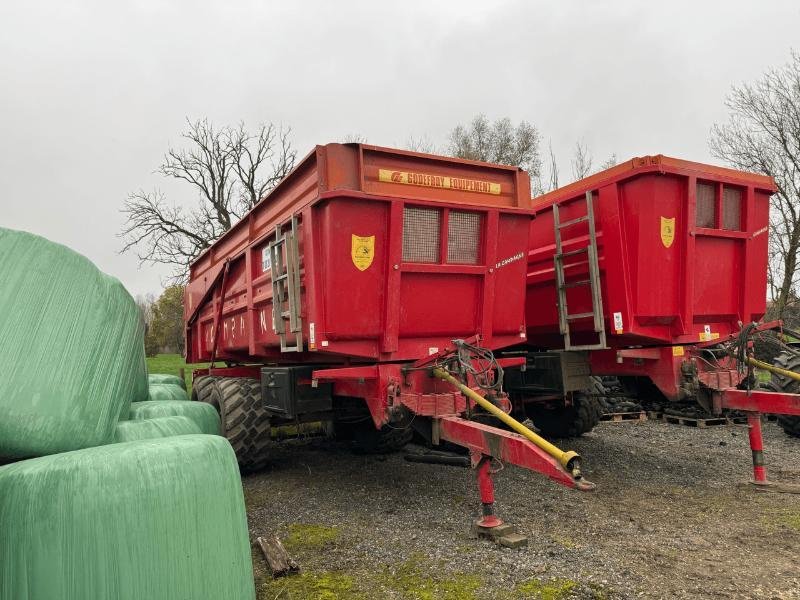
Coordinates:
[569,460]
[773,369]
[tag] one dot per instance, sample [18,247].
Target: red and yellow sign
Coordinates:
[445,182]
[362,251]
[667,231]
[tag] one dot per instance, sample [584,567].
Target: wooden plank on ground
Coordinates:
[280,563]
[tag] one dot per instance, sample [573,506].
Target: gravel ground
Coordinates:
[672,517]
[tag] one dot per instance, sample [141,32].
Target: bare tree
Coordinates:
[542,186]
[582,161]
[354,138]
[498,142]
[611,161]
[230,169]
[763,134]
[421,144]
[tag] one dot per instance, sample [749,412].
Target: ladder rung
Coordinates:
[286,314]
[577,316]
[571,284]
[572,252]
[281,277]
[573,222]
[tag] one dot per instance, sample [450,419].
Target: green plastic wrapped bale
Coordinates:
[164,378]
[156,519]
[129,431]
[72,349]
[204,415]
[167,391]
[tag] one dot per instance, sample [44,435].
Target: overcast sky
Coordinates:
[92,93]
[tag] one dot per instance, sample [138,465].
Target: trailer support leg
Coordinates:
[757,447]
[483,473]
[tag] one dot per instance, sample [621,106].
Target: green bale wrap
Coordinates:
[164,378]
[204,415]
[155,519]
[72,349]
[167,391]
[129,431]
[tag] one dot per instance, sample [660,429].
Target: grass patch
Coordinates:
[412,580]
[557,589]
[171,364]
[792,521]
[326,585]
[311,537]
[763,376]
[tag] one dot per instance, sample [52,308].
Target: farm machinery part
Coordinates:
[440,393]
[741,394]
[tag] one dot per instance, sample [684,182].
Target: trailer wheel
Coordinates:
[779,383]
[202,390]
[244,422]
[566,421]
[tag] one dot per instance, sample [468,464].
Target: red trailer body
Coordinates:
[682,249]
[339,297]
[398,254]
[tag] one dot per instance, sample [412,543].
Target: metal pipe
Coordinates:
[569,460]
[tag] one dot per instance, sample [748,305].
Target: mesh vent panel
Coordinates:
[731,208]
[463,238]
[705,205]
[421,228]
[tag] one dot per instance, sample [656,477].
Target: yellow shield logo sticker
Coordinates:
[667,231]
[362,251]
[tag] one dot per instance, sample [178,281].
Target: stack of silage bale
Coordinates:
[167,397]
[88,518]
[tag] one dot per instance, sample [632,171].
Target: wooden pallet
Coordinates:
[654,415]
[624,416]
[737,420]
[692,422]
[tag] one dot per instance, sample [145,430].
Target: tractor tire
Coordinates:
[566,421]
[368,440]
[779,383]
[244,422]
[202,390]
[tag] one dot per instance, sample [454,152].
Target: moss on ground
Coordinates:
[305,536]
[556,589]
[792,521]
[326,585]
[414,580]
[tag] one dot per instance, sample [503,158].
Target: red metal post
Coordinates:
[483,473]
[757,446]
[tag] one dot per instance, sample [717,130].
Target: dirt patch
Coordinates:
[672,517]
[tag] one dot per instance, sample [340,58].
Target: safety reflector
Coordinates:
[463,238]
[421,230]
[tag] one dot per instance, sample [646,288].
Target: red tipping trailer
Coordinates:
[653,271]
[387,255]
[681,248]
[346,295]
